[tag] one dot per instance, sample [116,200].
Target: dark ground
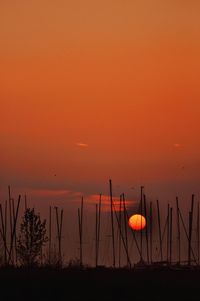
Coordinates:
[98,284]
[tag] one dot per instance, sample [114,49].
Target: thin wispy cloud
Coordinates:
[177,145]
[94,199]
[82,145]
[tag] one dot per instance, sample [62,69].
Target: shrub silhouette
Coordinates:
[31,239]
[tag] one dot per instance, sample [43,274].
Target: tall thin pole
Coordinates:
[97,230]
[59,222]
[190,237]
[122,237]
[25,202]
[80,219]
[190,230]
[120,226]
[171,227]
[9,193]
[60,233]
[186,233]
[198,238]
[3,233]
[96,236]
[112,223]
[10,207]
[99,226]
[14,228]
[10,217]
[50,216]
[178,231]
[168,231]
[82,230]
[5,230]
[147,238]
[15,234]
[141,213]
[159,228]
[151,230]
[125,226]
[80,238]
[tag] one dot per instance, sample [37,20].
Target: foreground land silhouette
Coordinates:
[46,278]
[98,284]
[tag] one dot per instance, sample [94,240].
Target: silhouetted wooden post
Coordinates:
[189,240]
[9,193]
[10,218]
[141,213]
[171,228]
[99,226]
[80,238]
[120,225]
[185,230]
[147,238]
[96,236]
[59,232]
[3,234]
[112,223]
[198,237]
[82,228]
[5,229]
[50,216]
[10,207]
[125,226]
[97,230]
[123,240]
[15,234]
[14,229]
[25,202]
[61,226]
[80,219]
[13,240]
[151,231]
[178,231]
[168,231]
[190,230]
[159,229]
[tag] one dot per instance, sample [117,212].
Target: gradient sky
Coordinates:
[92,90]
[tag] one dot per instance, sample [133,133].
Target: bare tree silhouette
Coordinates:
[31,239]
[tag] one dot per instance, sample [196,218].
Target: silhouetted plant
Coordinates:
[31,239]
[52,261]
[74,263]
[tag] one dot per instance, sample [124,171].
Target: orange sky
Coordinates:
[96,89]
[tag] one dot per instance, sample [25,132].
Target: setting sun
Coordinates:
[137,222]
